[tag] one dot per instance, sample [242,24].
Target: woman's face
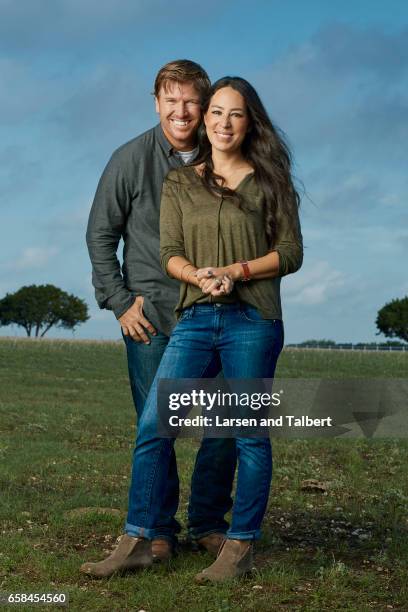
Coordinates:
[226,120]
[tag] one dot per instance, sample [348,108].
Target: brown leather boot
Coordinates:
[235,559]
[162,550]
[131,553]
[212,542]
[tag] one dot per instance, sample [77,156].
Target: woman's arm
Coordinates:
[171,225]
[179,267]
[216,285]
[172,253]
[286,258]
[267,266]
[262,267]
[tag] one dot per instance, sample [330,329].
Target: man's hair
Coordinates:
[182,71]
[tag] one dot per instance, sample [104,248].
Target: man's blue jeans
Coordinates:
[247,346]
[214,470]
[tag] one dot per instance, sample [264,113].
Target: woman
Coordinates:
[229,231]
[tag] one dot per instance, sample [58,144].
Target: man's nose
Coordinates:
[181,109]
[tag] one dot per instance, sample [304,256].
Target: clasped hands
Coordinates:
[214,281]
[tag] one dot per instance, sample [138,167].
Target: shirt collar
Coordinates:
[167,147]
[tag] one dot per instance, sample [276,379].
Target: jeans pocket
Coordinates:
[252,315]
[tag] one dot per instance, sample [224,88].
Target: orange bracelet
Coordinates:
[245,268]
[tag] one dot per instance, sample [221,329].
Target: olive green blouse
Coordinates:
[209,230]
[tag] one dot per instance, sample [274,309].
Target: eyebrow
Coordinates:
[188,100]
[232,109]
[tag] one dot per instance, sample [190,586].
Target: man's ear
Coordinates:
[156,104]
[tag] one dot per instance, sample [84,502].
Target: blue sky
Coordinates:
[75,83]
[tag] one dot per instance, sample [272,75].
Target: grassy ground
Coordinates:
[66,432]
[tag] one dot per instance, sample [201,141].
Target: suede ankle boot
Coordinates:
[212,542]
[131,553]
[235,558]
[162,550]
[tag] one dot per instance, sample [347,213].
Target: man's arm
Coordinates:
[106,225]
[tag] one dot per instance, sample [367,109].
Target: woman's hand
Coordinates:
[209,272]
[214,281]
[217,285]
[227,285]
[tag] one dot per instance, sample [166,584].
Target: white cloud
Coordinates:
[315,284]
[342,94]
[34,257]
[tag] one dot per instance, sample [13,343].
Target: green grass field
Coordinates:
[66,436]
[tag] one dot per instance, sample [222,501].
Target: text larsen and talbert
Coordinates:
[217,421]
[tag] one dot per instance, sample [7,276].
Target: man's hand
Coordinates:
[134,323]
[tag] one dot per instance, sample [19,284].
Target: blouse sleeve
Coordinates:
[289,245]
[171,224]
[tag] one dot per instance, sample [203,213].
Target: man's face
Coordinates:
[178,105]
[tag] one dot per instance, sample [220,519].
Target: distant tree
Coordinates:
[391,343]
[392,319]
[38,307]
[318,343]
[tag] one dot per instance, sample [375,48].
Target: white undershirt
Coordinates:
[187,156]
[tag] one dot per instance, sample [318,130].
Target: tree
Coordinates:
[392,319]
[38,307]
[318,343]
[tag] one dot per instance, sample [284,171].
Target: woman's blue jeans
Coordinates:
[248,346]
[213,474]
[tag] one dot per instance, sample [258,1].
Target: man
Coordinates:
[127,204]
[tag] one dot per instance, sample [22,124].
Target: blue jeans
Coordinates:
[247,346]
[211,486]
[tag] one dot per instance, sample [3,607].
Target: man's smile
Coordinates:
[179,122]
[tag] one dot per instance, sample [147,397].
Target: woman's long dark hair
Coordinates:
[265,149]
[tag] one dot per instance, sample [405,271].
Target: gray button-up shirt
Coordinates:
[127,204]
